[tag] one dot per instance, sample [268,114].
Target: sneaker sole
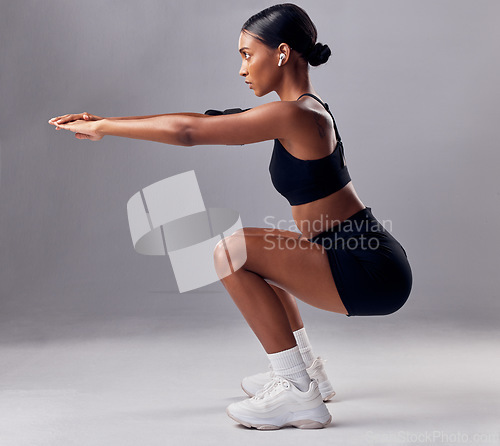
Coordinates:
[301,424]
[325,388]
[329,397]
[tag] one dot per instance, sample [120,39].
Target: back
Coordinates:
[303,181]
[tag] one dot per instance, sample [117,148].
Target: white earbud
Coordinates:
[282,56]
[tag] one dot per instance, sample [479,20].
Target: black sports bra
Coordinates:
[302,181]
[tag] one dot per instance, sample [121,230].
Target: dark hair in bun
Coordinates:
[319,54]
[288,23]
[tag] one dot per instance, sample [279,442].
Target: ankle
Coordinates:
[290,365]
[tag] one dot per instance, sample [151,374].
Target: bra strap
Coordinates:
[324,104]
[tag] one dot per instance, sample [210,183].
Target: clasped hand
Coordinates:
[82,124]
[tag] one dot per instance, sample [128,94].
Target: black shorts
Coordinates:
[368,264]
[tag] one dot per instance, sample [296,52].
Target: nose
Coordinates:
[243,69]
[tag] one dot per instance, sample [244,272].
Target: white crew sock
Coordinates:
[290,365]
[304,346]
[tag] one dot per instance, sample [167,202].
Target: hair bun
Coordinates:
[319,54]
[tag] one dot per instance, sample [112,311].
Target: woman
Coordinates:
[343,261]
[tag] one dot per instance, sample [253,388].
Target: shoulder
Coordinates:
[289,118]
[278,119]
[312,134]
[284,110]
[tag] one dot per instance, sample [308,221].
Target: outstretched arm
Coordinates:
[278,119]
[63,119]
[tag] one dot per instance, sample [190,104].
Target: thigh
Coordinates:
[294,264]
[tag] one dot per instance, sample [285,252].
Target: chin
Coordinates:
[259,94]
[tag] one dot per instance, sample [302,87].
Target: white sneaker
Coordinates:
[252,384]
[279,403]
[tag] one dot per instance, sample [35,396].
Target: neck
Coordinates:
[294,84]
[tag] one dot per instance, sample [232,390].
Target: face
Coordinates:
[259,64]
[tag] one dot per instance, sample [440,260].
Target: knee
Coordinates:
[221,261]
[230,254]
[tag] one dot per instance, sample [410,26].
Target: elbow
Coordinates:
[186,137]
[186,131]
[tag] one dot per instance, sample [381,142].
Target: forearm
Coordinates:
[168,129]
[121,118]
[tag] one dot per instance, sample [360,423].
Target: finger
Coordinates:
[89,117]
[64,127]
[55,118]
[68,118]
[58,117]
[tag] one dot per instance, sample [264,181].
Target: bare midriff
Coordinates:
[317,216]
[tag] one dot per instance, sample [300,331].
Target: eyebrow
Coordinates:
[244,48]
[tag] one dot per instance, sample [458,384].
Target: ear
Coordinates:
[285,49]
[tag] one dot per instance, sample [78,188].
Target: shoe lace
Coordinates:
[269,387]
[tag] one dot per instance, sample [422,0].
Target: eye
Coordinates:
[247,56]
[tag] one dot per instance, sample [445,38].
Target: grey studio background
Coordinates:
[97,346]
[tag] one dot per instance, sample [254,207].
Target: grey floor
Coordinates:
[161,372]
